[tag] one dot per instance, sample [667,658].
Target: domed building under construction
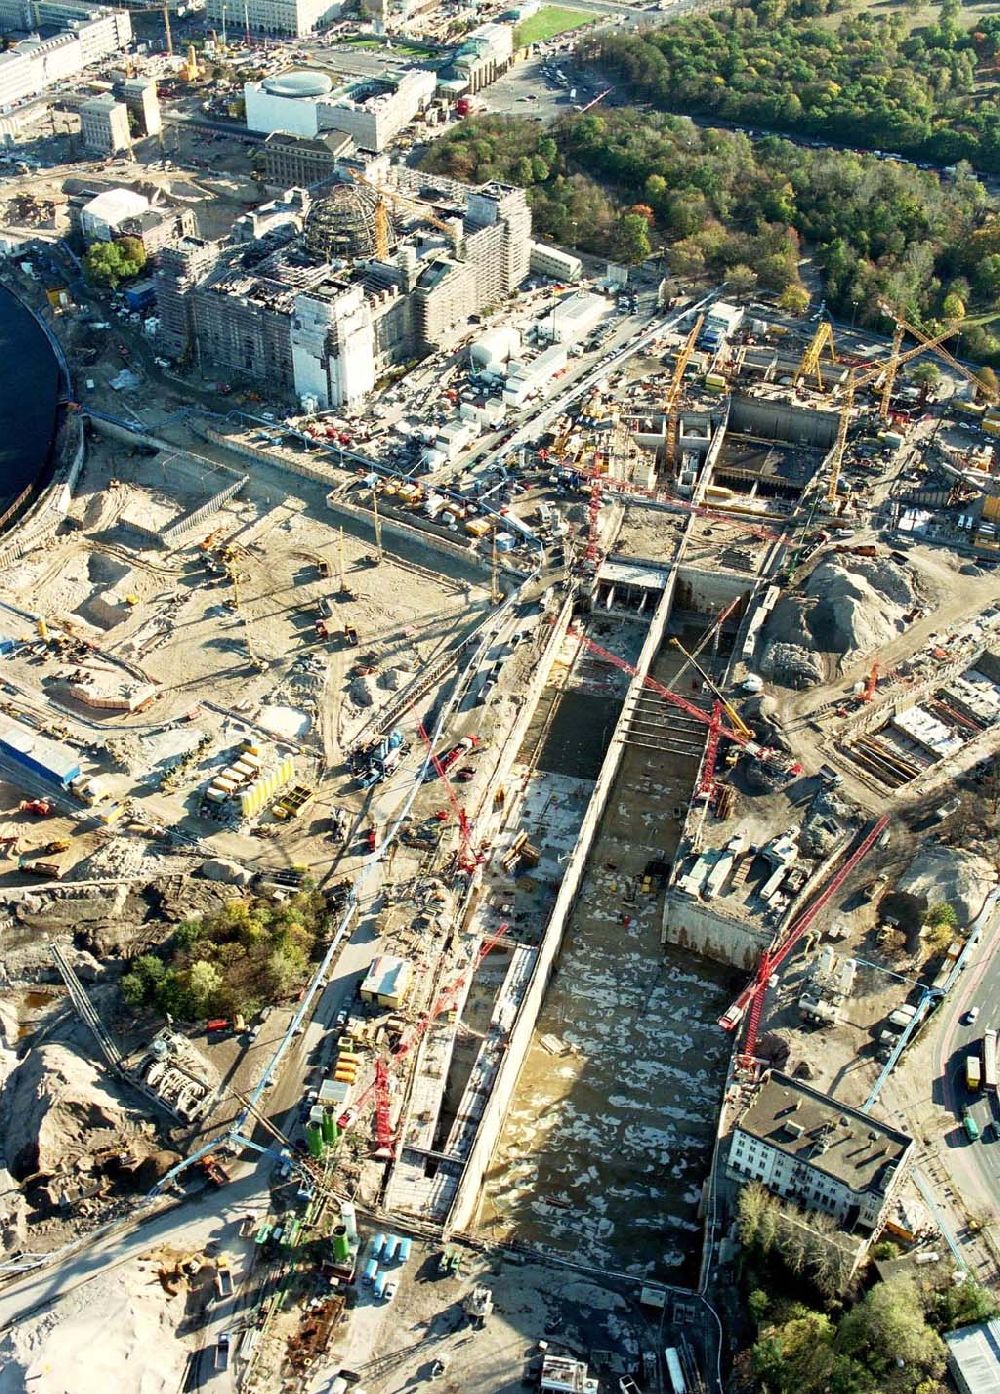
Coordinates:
[345,224]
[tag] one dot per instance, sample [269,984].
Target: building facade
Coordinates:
[104,126]
[143,105]
[292,161]
[89,33]
[291,18]
[823,1155]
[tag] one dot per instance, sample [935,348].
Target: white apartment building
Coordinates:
[293,18]
[819,1153]
[91,33]
[554,262]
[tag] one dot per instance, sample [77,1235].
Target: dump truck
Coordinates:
[41,807]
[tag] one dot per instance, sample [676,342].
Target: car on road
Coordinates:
[970,1017]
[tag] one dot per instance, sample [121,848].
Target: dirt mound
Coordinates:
[849,606]
[51,1103]
[939,873]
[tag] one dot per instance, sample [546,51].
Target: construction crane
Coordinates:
[750,1002]
[710,633]
[383,197]
[866,379]
[468,860]
[671,403]
[809,363]
[933,345]
[378,526]
[379,1087]
[734,717]
[774,758]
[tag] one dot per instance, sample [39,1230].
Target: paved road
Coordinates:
[215,1211]
[975,1165]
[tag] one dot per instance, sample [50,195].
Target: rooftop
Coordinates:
[831,1137]
[974,1355]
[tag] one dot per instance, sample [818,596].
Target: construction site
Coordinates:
[625,750]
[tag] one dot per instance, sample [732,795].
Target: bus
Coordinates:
[990,1061]
[672,1359]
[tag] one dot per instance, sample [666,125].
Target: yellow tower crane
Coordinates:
[383,197]
[890,367]
[933,345]
[671,404]
[809,363]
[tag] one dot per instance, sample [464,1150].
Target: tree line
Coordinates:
[866,81]
[724,207]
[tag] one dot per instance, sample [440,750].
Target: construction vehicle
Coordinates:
[58,844]
[51,871]
[468,860]
[224,1282]
[214,1171]
[40,807]
[351,636]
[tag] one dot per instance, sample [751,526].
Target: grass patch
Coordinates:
[548,22]
[408,50]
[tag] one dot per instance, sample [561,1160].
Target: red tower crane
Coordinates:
[712,720]
[468,860]
[379,1086]
[751,1000]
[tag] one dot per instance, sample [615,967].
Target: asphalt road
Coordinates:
[975,1165]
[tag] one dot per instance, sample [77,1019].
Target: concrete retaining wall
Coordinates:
[758,416]
[706,929]
[467,1197]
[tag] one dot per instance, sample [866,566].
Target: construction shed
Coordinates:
[388,981]
[974,1357]
[49,759]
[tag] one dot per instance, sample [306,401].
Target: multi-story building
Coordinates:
[179,271]
[372,111]
[139,96]
[88,34]
[821,1154]
[555,263]
[292,18]
[483,55]
[287,320]
[292,161]
[497,239]
[104,125]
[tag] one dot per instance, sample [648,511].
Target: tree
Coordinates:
[926,374]
[110,263]
[989,381]
[204,985]
[939,914]
[964,1304]
[953,307]
[794,300]
[741,280]
[631,239]
[888,1332]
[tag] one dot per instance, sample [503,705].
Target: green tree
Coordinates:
[926,374]
[794,300]
[631,240]
[964,1304]
[204,984]
[887,1331]
[110,263]
[741,280]
[953,307]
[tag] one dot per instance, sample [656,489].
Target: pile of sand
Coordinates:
[939,873]
[116,1333]
[849,606]
[394,678]
[51,1104]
